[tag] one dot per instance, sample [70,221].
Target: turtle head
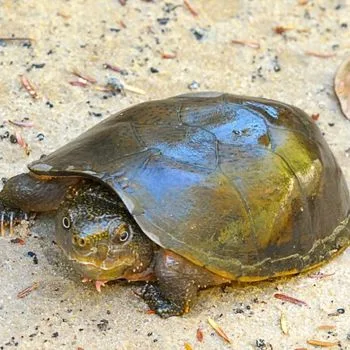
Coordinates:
[100,237]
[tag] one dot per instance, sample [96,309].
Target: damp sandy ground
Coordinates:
[84,35]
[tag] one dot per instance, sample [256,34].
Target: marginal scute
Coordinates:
[246,187]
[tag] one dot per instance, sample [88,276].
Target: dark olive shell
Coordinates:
[246,187]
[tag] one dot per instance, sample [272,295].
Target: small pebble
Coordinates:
[103,325]
[260,343]
[13,138]
[163,21]
[40,137]
[5,135]
[98,115]
[198,33]
[115,83]
[276,65]
[34,256]
[194,85]
[38,65]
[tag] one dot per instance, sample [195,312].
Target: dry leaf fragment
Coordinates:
[289,299]
[190,8]
[18,240]
[115,68]
[281,29]
[284,324]
[251,44]
[78,83]
[21,123]
[199,334]
[342,87]
[188,346]
[134,89]
[84,77]
[29,87]
[320,54]
[63,15]
[320,275]
[168,56]
[122,24]
[322,344]
[326,327]
[28,290]
[218,330]
[22,143]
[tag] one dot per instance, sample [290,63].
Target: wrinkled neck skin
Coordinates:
[98,234]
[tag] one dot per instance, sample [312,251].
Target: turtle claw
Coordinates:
[86,280]
[10,217]
[99,284]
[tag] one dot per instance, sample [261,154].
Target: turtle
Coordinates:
[189,192]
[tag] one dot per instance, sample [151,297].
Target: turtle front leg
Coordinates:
[26,193]
[178,281]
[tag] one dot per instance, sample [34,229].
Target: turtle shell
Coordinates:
[246,187]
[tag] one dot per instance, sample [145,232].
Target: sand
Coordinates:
[83,35]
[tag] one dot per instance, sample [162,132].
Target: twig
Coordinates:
[115,68]
[21,124]
[168,55]
[190,8]
[289,299]
[28,290]
[84,77]
[252,44]
[29,87]
[320,54]
[17,39]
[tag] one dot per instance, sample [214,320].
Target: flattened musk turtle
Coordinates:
[190,192]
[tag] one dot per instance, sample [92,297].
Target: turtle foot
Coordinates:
[162,306]
[98,284]
[9,218]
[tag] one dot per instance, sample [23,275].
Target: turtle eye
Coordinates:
[121,234]
[66,223]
